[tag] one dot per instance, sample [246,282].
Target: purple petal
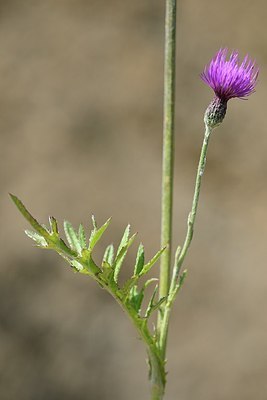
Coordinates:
[230,78]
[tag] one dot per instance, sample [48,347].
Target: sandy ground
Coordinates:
[80,119]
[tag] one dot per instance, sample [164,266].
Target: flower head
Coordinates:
[230,78]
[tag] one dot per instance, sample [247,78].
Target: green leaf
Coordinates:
[136,298]
[155,306]
[150,264]
[128,286]
[72,238]
[149,281]
[53,226]
[109,255]
[121,255]
[52,239]
[132,281]
[33,222]
[97,233]
[182,278]
[60,246]
[178,285]
[94,222]
[75,264]
[40,240]
[82,236]
[124,239]
[140,260]
[121,252]
[107,272]
[151,302]
[88,263]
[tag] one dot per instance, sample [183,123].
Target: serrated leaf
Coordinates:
[150,264]
[82,236]
[151,302]
[53,225]
[149,281]
[178,285]
[32,221]
[124,239]
[87,261]
[53,242]
[155,306]
[182,279]
[97,233]
[128,285]
[120,257]
[93,231]
[151,305]
[140,260]
[109,255]
[40,240]
[136,298]
[132,281]
[72,237]
[75,264]
[94,222]
[60,245]
[107,272]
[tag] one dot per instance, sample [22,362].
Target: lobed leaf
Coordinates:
[128,285]
[155,306]
[72,237]
[107,272]
[75,264]
[151,302]
[53,226]
[52,240]
[109,255]
[136,298]
[97,233]
[124,239]
[33,222]
[82,236]
[94,222]
[182,279]
[178,285]
[150,264]
[120,257]
[149,281]
[140,260]
[39,240]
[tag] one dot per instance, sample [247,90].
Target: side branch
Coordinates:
[177,279]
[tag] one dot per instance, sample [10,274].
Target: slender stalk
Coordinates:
[181,253]
[192,214]
[168,149]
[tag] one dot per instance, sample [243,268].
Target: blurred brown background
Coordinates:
[81,115]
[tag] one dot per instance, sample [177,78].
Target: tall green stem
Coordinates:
[168,148]
[189,235]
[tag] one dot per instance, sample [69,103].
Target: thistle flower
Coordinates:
[228,79]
